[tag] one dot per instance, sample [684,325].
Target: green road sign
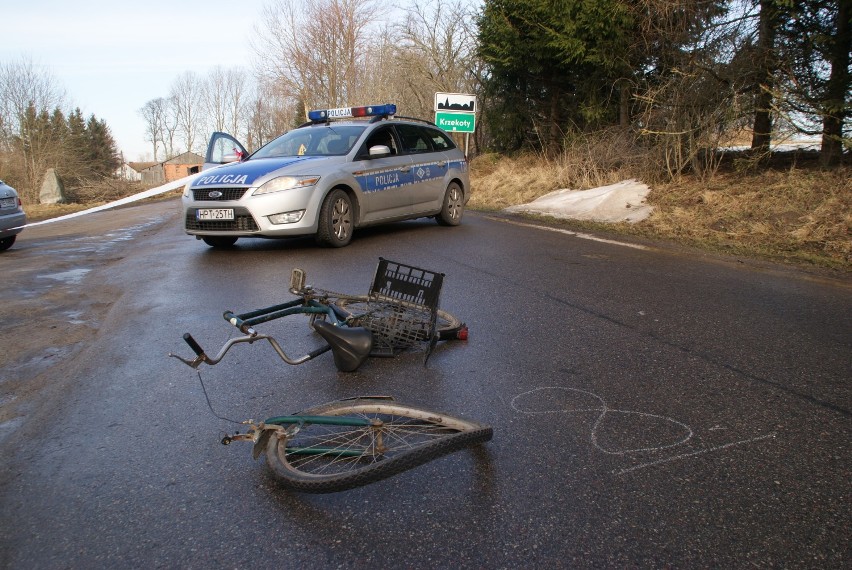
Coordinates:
[456,122]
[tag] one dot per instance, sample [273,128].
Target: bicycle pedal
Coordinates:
[297,280]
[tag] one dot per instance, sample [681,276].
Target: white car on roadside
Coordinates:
[12,217]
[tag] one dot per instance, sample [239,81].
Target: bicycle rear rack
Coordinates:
[415,293]
[395,282]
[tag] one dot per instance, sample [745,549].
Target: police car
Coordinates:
[344,169]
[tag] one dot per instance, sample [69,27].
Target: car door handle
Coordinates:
[404,169]
[442,163]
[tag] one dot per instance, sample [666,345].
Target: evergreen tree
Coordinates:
[576,64]
[99,148]
[816,43]
[550,65]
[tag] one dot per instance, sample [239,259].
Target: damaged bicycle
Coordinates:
[348,443]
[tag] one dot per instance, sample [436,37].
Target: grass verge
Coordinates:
[798,215]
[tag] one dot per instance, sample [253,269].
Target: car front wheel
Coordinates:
[453,209]
[335,220]
[219,241]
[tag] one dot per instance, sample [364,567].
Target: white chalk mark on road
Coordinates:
[693,454]
[563,400]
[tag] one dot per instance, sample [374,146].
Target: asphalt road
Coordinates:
[652,407]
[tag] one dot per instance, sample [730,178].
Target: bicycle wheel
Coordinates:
[350,443]
[380,317]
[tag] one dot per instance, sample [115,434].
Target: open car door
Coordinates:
[222,149]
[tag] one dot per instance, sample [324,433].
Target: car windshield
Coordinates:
[327,140]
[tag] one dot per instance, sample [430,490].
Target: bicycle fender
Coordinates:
[261,443]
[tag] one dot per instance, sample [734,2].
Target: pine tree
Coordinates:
[100,148]
[815,42]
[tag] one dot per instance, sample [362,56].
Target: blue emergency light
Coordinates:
[320,115]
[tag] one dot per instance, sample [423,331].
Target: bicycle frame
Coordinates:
[304,305]
[245,322]
[351,337]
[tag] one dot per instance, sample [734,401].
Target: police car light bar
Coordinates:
[321,115]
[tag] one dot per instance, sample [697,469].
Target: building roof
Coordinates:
[186,158]
[140,166]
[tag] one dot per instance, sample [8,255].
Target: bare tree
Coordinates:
[224,99]
[186,97]
[236,100]
[382,81]
[153,113]
[214,97]
[22,85]
[437,51]
[271,113]
[171,122]
[317,49]
[27,97]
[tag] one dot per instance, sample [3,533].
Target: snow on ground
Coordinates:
[620,202]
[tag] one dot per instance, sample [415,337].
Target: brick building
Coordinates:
[172,169]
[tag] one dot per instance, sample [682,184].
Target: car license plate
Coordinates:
[7,203]
[209,214]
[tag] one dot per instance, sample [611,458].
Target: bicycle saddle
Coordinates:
[350,346]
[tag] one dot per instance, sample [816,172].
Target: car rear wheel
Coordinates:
[453,209]
[6,243]
[219,241]
[335,220]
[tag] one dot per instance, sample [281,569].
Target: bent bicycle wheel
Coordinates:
[350,443]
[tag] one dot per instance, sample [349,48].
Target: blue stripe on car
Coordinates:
[245,173]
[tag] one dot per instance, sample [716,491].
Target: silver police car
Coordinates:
[336,173]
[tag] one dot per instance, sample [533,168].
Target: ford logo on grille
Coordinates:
[215,194]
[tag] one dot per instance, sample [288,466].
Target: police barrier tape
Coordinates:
[174,185]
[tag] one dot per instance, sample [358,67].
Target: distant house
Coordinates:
[133,170]
[172,169]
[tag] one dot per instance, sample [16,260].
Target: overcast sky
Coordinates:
[111,57]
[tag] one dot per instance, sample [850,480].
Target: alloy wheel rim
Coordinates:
[341,219]
[454,203]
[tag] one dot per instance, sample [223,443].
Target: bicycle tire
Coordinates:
[312,458]
[448,325]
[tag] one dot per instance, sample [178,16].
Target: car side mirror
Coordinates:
[230,158]
[379,151]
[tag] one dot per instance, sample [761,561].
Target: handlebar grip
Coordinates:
[196,348]
[238,322]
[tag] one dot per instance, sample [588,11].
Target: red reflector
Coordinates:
[462,334]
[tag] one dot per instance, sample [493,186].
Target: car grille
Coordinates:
[242,222]
[203,194]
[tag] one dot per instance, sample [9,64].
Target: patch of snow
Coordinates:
[620,202]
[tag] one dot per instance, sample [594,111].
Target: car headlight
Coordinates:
[286,183]
[186,191]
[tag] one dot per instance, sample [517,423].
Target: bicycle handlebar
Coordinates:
[201,356]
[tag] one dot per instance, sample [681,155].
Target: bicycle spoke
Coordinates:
[329,449]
